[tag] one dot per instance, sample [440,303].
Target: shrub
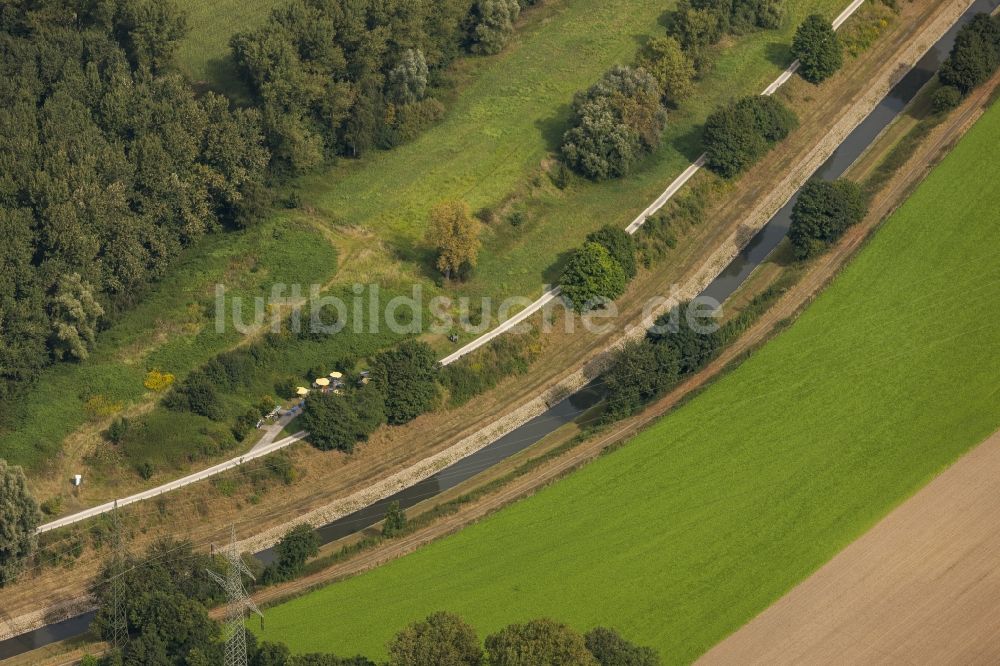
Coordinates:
[158,381]
[145,470]
[405,376]
[616,122]
[823,211]
[620,244]
[739,134]
[817,48]
[117,430]
[395,521]
[592,278]
[946,98]
[483,369]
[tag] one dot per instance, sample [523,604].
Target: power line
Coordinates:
[119,621]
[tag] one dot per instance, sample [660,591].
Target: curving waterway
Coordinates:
[573,407]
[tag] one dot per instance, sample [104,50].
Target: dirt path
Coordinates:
[921,587]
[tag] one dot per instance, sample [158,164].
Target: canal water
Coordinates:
[573,407]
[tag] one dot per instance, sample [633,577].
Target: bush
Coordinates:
[974,56]
[739,134]
[395,521]
[592,278]
[484,368]
[817,48]
[620,244]
[117,430]
[823,211]
[946,98]
[405,376]
[616,122]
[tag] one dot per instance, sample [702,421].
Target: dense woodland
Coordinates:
[109,166]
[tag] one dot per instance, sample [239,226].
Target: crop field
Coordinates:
[512,112]
[699,523]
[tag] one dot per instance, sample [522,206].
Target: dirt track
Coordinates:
[922,586]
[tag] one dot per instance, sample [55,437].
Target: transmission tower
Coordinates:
[119,622]
[239,604]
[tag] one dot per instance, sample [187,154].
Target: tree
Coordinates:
[974,56]
[19,518]
[538,642]
[74,312]
[331,421]
[620,244]
[454,235]
[690,332]
[673,70]
[407,81]
[611,649]
[740,133]
[296,546]
[394,522]
[946,98]
[822,212]
[442,639]
[592,278]
[817,48]
[616,121]
[638,372]
[406,377]
[493,25]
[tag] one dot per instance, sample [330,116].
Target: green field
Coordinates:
[702,521]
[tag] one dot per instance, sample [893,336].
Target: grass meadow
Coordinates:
[702,521]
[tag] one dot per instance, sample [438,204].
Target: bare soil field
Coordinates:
[923,586]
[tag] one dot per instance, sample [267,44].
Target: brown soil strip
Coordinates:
[921,587]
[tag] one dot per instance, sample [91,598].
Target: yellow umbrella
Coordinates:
[322,381]
[302,390]
[336,375]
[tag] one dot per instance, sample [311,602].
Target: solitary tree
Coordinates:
[406,377]
[454,234]
[298,545]
[442,639]
[19,517]
[620,244]
[592,277]
[975,54]
[818,49]
[823,211]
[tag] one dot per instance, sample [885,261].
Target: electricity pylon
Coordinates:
[239,604]
[119,621]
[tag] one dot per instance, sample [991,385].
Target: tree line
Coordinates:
[167,593]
